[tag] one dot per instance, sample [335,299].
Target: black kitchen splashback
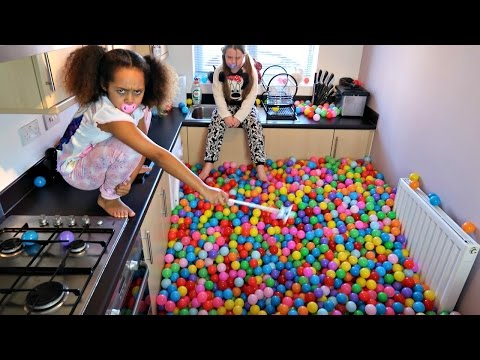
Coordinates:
[21,187]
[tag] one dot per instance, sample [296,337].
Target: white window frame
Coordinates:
[213,57]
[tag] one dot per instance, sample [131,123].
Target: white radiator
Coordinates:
[444,252]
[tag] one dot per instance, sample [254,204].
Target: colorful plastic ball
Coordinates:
[189,102]
[181,104]
[468,227]
[414,176]
[414,184]
[39,181]
[67,237]
[435,200]
[184,110]
[29,235]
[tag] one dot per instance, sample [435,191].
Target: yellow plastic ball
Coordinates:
[414,176]
[189,102]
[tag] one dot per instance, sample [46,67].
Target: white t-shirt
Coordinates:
[88,134]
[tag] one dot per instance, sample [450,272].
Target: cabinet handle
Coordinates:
[164,197]
[49,71]
[141,292]
[149,247]
[335,147]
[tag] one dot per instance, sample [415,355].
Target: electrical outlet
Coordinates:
[29,132]
[50,121]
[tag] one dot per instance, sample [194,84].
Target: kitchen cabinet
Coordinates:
[156,224]
[280,143]
[300,143]
[234,147]
[34,85]
[354,144]
[154,230]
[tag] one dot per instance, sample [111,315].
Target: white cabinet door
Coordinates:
[154,231]
[354,144]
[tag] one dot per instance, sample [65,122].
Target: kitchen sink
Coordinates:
[200,112]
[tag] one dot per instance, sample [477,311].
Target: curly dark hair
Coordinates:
[89,69]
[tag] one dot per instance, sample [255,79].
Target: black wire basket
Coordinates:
[278,100]
[278,103]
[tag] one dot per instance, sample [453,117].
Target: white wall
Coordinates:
[16,158]
[342,60]
[427,98]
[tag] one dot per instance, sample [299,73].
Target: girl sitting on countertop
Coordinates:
[105,145]
[235,87]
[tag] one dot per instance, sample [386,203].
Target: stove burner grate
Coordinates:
[45,296]
[11,247]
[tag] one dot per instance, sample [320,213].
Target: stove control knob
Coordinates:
[85,220]
[42,220]
[57,220]
[71,221]
[132,265]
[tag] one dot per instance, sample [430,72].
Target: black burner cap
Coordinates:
[45,295]
[77,246]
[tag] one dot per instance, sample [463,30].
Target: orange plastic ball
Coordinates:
[468,227]
[414,184]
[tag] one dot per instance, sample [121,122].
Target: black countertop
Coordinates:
[367,122]
[22,198]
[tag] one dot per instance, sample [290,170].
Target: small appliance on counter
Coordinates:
[352,99]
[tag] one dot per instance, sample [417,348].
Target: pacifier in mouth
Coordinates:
[128,108]
[232,66]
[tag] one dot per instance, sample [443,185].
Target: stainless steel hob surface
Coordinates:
[51,264]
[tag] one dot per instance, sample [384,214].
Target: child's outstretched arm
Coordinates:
[129,134]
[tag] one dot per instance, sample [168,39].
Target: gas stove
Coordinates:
[50,264]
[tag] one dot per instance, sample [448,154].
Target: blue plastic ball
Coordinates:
[39,181]
[435,200]
[181,105]
[29,235]
[184,110]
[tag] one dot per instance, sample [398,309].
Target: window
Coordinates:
[291,57]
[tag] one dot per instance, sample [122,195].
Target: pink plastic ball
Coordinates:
[161,299]
[252,299]
[268,292]
[370,309]
[217,302]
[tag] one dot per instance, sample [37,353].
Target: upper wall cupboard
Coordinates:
[34,84]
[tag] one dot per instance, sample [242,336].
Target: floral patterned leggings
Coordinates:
[256,139]
[104,166]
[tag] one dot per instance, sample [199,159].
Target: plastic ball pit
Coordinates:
[341,252]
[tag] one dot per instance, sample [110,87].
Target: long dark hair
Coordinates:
[247,68]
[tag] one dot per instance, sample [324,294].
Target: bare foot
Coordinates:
[206,170]
[261,174]
[115,208]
